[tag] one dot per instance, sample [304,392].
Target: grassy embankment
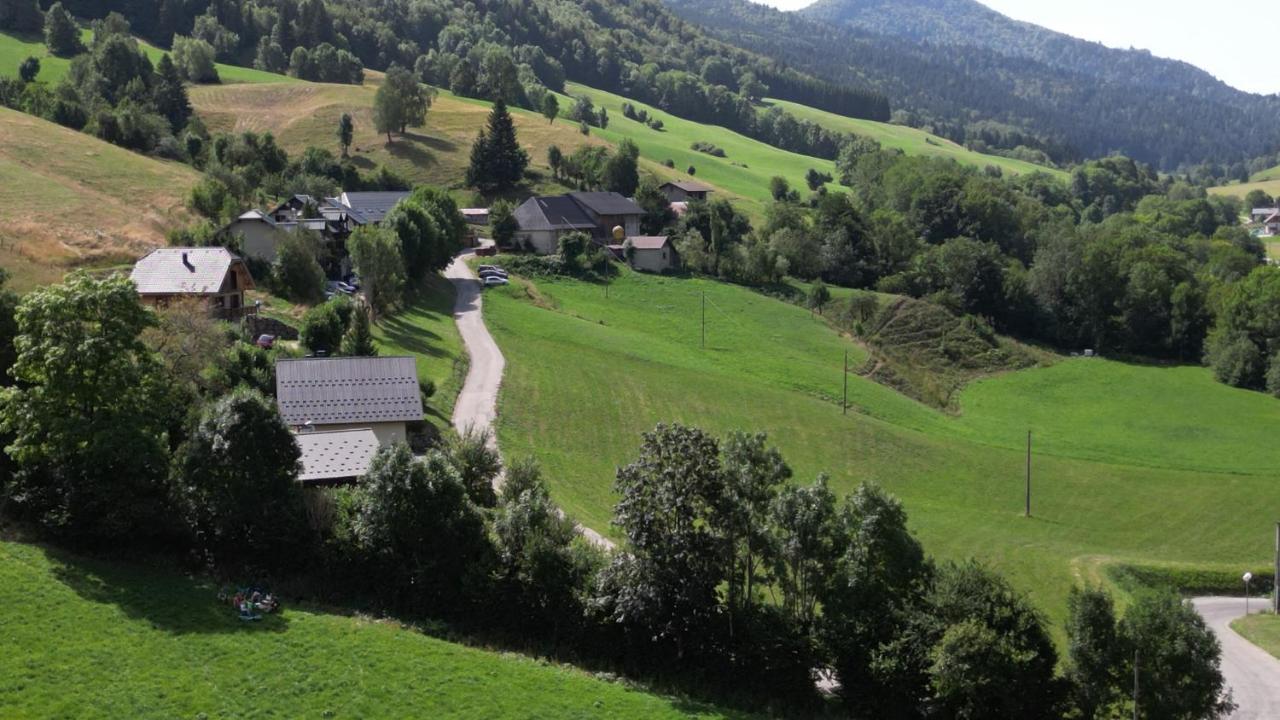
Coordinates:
[912,141]
[1266,180]
[1261,630]
[1135,464]
[95,639]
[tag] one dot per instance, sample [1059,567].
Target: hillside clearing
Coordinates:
[16,48]
[113,640]
[912,141]
[1182,474]
[72,200]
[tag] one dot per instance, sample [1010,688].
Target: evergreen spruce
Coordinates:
[60,32]
[171,95]
[358,342]
[497,160]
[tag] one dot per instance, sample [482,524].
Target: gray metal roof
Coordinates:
[342,391]
[336,456]
[371,207]
[183,271]
[558,212]
[606,203]
[689,185]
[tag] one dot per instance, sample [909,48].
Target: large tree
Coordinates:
[235,479]
[87,415]
[60,32]
[497,160]
[346,131]
[401,102]
[170,95]
[375,252]
[1177,659]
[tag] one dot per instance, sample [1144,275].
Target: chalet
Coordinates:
[685,190]
[212,275]
[379,394]
[543,220]
[655,254]
[367,208]
[1260,214]
[1271,225]
[336,457]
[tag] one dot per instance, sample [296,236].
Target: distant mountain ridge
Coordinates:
[978,77]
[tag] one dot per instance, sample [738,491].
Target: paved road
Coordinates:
[1252,674]
[477,405]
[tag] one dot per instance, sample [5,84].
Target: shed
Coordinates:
[652,253]
[685,190]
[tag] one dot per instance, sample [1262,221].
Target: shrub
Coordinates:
[297,273]
[194,59]
[708,148]
[324,325]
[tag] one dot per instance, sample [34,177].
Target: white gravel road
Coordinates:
[1252,674]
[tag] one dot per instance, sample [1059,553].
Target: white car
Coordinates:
[494,280]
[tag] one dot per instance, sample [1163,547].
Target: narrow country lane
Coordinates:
[477,405]
[1252,674]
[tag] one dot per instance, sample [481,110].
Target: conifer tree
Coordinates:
[170,94]
[60,32]
[358,342]
[497,160]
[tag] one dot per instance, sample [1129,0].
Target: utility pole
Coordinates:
[844,404]
[704,320]
[1135,685]
[1028,510]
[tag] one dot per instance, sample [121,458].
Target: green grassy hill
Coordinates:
[912,141]
[94,639]
[71,200]
[1132,463]
[14,49]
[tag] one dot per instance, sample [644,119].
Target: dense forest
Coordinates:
[975,76]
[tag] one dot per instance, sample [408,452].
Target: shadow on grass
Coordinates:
[173,604]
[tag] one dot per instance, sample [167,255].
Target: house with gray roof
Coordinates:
[335,457]
[380,394]
[542,220]
[368,208]
[212,276]
[685,190]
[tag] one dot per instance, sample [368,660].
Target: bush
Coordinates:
[297,273]
[324,325]
[708,148]
[1236,360]
[194,59]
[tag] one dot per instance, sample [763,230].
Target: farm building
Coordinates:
[212,275]
[655,254]
[543,220]
[380,394]
[685,190]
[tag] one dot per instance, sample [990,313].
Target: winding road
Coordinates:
[477,405]
[1252,674]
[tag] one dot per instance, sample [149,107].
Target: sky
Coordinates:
[1227,38]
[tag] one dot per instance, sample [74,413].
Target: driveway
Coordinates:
[477,405]
[1252,674]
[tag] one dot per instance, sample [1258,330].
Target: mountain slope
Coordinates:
[957,67]
[72,200]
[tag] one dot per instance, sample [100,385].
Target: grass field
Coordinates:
[72,200]
[742,175]
[1266,181]
[1135,464]
[426,330]
[1264,175]
[1261,630]
[88,639]
[912,141]
[14,49]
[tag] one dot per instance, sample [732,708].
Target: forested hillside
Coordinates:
[945,61]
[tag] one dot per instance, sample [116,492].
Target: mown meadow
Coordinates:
[1131,464]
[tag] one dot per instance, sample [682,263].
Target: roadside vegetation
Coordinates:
[1261,630]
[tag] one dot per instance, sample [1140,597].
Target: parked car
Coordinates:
[494,272]
[494,280]
[353,280]
[482,268]
[266,342]
[333,287]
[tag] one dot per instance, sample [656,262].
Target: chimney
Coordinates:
[187,262]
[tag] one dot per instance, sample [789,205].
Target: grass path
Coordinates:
[89,639]
[1134,464]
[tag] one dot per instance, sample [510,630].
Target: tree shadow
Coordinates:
[170,603]
[412,338]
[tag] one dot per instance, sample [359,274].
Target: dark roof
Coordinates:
[336,456]
[183,271]
[370,207]
[559,212]
[606,203]
[690,185]
[341,391]
[648,242]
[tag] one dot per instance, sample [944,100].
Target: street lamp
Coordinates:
[1247,577]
